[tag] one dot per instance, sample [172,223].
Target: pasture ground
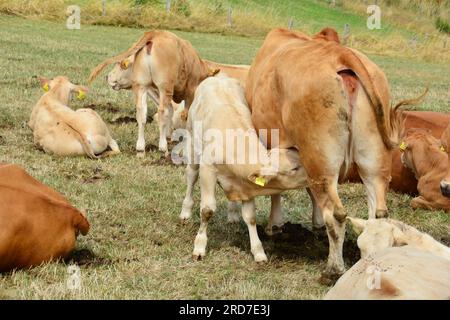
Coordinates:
[136,248]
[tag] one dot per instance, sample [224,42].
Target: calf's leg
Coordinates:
[188,202]
[276,216]
[140,95]
[208,180]
[249,216]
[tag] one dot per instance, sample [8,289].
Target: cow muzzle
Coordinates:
[445,189]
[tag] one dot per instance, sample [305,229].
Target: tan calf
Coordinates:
[59,130]
[222,98]
[166,68]
[445,183]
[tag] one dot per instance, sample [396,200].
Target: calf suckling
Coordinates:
[397,262]
[59,130]
[37,224]
[244,171]
[428,160]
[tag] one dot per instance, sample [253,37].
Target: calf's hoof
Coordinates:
[274,230]
[381,214]
[197,257]
[260,257]
[140,154]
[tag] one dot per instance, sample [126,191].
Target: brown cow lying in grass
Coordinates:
[165,67]
[428,160]
[37,224]
[62,131]
[419,269]
[445,183]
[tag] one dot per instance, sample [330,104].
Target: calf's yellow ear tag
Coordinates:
[403,146]
[260,181]
[125,64]
[442,148]
[45,87]
[81,95]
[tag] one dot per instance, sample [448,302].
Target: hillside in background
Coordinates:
[408,28]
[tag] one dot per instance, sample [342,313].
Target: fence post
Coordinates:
[168,5]
[346,33]
[230,17]
[291,23]
[103,7]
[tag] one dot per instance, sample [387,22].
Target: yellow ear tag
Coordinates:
[45,87]
[125,64]
[260,181]
[81,95]
[442,148]
[403,146]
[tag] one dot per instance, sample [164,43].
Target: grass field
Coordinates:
[136,248]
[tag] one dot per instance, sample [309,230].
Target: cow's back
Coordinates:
[37,224]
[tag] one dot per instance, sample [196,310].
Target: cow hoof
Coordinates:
[329,278]
[261,258]
[274,230]
[197,257]
[140,154]
[381,214]
[184,221]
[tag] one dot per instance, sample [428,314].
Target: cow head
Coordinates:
[62,89]
[445,183]
[377,234]
[286,174]
[120,76]
[418,148]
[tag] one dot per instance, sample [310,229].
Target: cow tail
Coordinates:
[350,60]
[148,36]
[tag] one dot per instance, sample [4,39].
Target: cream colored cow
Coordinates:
[216,99]
[379,234]
[62,131]
[400,273]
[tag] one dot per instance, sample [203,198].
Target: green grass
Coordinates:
[140,250]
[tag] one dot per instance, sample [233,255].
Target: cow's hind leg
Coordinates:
[188,202]
[276,216]
[208,180]
[140,95]
[164,118]
[248,214]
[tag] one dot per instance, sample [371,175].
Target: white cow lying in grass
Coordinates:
[62,131]
[398,262]
[220,108]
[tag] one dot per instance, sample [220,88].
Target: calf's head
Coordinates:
[420,151]
[445,183]
[120,77]
[284,171]
[377,234]
[62,89]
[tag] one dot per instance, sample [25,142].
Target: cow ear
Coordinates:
[45,83]
[358,225]
[399,238]
[259,179]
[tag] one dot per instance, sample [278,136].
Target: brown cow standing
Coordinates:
[332,104]
[37,224]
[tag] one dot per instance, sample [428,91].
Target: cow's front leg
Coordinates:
[249,216]
[276,216]
[208,180]
[188,202]
[141,116]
